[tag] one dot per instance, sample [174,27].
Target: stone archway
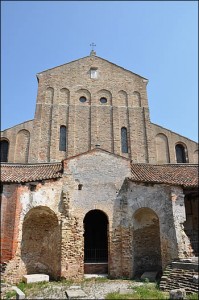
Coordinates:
[41,242]
[146,242]
[95,242]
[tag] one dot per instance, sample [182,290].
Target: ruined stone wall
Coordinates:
[165,141]
[145,221]
[45,239]
[179,215]
[10,211]
[91,122]
[169,207]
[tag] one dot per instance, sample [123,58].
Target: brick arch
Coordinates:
[96,241]
[106,94]
[162,148]
[146,242]
[137,99]
[122,98]
[83,93]
[49,95]
[185,157]
[64,96]
[22,146]
[41,242]
[4,145]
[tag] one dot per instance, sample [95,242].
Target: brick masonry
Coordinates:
[144,220]
[92,122]
[43,221]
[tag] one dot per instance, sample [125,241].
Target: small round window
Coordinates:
[103,100]
[82,99]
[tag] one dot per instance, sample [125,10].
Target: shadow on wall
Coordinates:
[41,242]
[146,242]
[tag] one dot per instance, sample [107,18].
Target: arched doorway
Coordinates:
[41,242]
[146,242]
[95,242]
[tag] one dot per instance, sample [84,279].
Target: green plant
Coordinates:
[194,296]
[146,291]
[11,294]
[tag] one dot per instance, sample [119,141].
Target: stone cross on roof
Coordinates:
[92,51]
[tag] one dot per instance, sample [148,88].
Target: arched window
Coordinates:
[124,140]
[62,138]
[180,153]
[4,151]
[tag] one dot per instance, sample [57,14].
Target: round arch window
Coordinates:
[103,100]
[82,99]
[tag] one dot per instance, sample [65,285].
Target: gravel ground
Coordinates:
[94,289]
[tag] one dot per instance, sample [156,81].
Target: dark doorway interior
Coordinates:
[95,237]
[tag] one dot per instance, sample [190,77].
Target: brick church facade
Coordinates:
[91,185]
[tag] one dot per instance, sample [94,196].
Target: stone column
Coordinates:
[179,216]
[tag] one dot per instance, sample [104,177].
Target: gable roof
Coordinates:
[185,175]
[95,150]
[82,58]
[18,173]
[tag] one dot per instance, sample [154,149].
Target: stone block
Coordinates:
[151,276]
[75,294]
[35,278]
[195,279]
[185,265]
[177,294]
[20,294]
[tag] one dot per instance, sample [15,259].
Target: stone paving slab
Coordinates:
[95,276]
[20,294]
[75,294]
[35,278]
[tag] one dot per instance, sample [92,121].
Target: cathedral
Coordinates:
[91,185]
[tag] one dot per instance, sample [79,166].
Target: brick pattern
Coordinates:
[99,268]
[92,122]
[10,213]
[175,278]
[106,185]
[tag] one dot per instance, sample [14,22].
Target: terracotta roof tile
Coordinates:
[29,172]
[185,175]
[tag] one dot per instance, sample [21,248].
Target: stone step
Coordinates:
[35,278]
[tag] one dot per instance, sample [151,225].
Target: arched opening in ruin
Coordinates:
[191,223]
[41,242]
[146,242]
[95,242]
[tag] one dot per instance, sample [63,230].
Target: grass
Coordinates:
[146,291]
[11,295]
[30,289]
[193,296]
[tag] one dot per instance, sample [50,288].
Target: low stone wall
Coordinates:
[177,276]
